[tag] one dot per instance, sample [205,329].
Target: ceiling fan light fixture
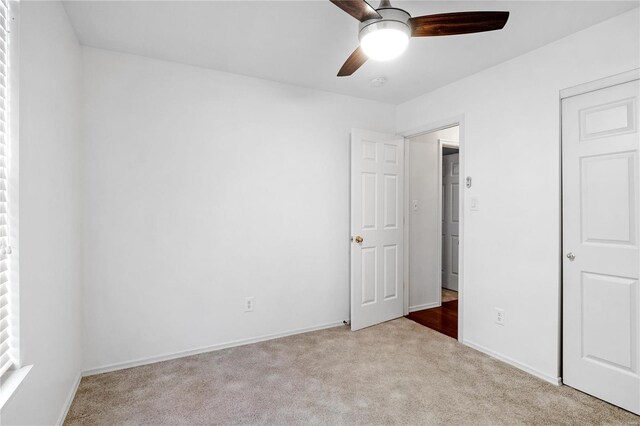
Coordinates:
[385,31]
[384,44]
[387,38]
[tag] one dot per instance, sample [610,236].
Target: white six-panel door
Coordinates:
[601,303]
[377,215]
[450,220]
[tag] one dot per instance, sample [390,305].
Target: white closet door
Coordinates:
[601,257]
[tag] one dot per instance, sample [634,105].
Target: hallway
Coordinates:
[443,319]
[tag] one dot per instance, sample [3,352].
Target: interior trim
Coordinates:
[602,83]
[423,306]
[173,355]
[526,368]
[69,400]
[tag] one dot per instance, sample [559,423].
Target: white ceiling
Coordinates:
[305,42]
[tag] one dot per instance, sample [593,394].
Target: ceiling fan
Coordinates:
[384,32]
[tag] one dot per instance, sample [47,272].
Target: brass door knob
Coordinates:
[358,239]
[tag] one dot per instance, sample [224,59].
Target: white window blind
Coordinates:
[6,360]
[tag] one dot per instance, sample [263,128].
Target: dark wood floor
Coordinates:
[443,319]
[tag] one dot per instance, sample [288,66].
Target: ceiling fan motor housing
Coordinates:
[392,18]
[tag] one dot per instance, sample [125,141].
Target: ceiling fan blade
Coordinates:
[352,63]
[359,9]
[457,23]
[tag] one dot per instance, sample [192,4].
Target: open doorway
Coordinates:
[434,228]
[450,219]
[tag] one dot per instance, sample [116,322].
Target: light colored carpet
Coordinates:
[398,372]
[449,295]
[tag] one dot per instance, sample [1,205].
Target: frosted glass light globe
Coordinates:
[384,44]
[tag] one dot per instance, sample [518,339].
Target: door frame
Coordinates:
[580,89]
[417,131]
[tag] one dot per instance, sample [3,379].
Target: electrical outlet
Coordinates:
[248,304]
[499,316]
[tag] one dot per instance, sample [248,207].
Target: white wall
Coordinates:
[49,220]
[424,266]
[203,188]
[511,141]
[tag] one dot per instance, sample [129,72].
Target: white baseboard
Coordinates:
[69,400]
[547,378]
[424,306]
[181,354]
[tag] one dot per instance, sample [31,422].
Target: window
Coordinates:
[7,359]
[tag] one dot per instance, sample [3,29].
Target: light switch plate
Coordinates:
[474,204]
